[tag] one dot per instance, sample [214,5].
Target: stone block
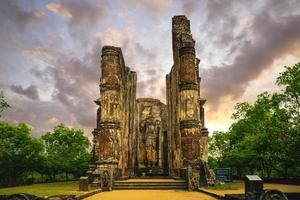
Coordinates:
[253,184]
[83,183]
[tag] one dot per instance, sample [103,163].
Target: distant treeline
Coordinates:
[62,154]
[265,137]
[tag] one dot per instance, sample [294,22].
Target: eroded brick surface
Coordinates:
[146,136]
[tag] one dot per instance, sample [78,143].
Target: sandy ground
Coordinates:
[181,194]
[151,180]
[241,190]
[150,195]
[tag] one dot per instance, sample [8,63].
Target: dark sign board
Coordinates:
[223,174]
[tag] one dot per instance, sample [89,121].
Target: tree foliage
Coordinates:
[265,137]
[20,153]
[290,79]
[64,150]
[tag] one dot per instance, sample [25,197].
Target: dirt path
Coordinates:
[150,195]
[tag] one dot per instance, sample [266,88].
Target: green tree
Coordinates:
[20,153]
[66,151]
[218,144]
[265,137]
[257,133]
[3,103]
[290,79]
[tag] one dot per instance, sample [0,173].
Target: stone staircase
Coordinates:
[150,184]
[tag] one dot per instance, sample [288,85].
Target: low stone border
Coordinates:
[211,194]
[88,194]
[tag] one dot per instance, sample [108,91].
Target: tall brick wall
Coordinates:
[144,134]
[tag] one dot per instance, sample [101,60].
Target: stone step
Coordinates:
[153,177]
[95,183]
[162,184]
[148,187]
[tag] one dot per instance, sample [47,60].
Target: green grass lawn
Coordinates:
[227,186]
[45,189]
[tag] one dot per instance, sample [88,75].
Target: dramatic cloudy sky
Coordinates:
[50,53]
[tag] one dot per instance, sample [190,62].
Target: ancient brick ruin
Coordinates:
[145,137]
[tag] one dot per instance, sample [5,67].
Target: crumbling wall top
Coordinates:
[111,50]
[180,24]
